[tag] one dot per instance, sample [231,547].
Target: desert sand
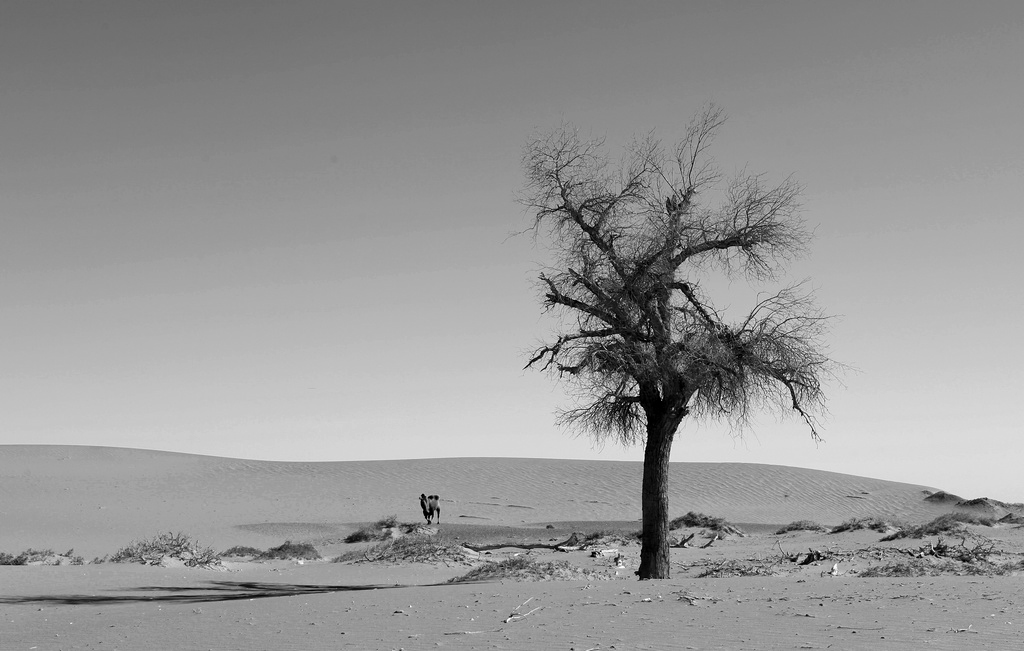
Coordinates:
[756,595]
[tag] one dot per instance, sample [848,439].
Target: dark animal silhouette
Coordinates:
[431,506]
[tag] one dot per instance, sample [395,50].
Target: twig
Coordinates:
[962,630]
[514,616]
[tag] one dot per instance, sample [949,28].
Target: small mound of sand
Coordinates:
[942,497]
[979,504]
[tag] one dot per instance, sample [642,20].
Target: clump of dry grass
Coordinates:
[855,524]
[44,556]
[915,567]
[801,525]
[524,568]
[379,530]
[736,568]
[241,551]
[946,523]
[693,519]
[290,551]
[414,548]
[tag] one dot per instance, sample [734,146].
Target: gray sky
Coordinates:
[280,230]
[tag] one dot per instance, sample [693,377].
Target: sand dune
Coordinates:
[96,499]
[99,499]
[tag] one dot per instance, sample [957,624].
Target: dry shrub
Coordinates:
[945,523]
[291,551]
[416,548]
[240,551]
[801,525]
[701,520]
[524,568]
[155,550]
[379,530]
[915,567]
[856,524]
[44,556]
[735,568]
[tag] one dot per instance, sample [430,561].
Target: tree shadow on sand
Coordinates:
[213,591]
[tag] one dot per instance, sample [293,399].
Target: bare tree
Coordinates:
[642,347]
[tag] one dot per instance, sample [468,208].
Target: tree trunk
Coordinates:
[654,550]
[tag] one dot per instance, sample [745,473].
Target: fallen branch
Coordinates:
[685,542]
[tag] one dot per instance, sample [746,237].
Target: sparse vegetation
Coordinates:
[801,525]
[693,519]
[239,551]
[290,551]
[735,568]
[387,522]
[379,530]
[974,558]
[597,535]
[855,524]
[415,548]
[945,523]
[44,556]
[156,550]
[8,559]
[524,568]
[920,567]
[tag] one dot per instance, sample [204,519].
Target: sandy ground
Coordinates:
[96,500]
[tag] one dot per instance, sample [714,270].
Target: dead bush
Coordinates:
[290,551]
[801,525]
[414,548]
[855,524]
[156,550]
[524,568]
[693,519]
[946,523]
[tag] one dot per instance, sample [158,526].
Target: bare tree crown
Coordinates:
[641,336]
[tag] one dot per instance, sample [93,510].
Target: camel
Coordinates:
[430,505]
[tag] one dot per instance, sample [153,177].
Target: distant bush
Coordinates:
[167,545]
[387,522]
[238,551]
[856,524]
[291,551]
[801,525]
[379,530]
[45,556]
[363,534]
[8,559]
[72,558]
[693,519]
[943,524]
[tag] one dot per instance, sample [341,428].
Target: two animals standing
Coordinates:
[431,506]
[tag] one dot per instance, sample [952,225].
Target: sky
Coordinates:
[286,231]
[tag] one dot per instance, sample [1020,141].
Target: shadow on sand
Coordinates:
[213,591]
